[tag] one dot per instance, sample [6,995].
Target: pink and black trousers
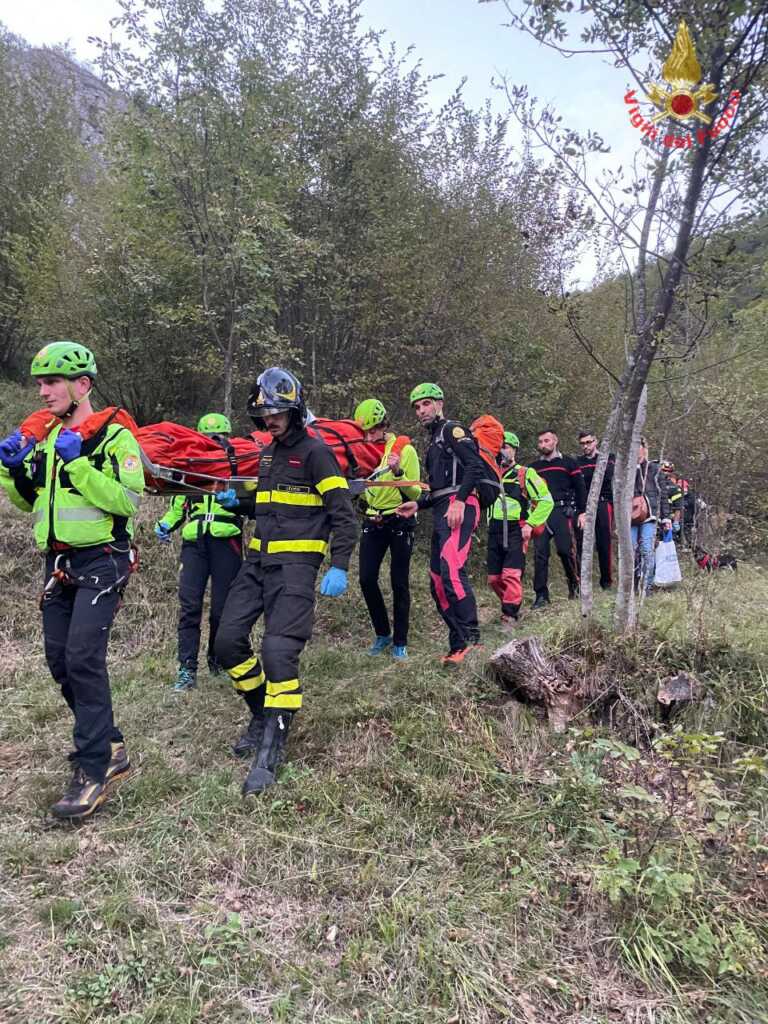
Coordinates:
[449,581]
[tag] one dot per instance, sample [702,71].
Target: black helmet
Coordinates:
[276,390]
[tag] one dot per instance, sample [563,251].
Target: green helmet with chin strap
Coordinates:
[433,391]
[66,359]
[370,413]
[214,423]
[511,439]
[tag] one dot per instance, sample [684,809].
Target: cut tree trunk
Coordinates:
[558,683]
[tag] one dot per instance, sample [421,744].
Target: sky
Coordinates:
[455,38]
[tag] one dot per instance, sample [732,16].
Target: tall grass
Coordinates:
[431,852]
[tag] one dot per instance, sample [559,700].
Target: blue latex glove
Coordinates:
[334,583]
[13,451]
[162,533]
[228,498]
[68,444]
[675,527]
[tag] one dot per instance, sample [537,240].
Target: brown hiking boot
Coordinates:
[83,796]
[119,764]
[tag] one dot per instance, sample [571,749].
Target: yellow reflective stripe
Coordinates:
[292,498]
[277,547]
[255,544]
[238,671]
[288,498]
[283,702]
[286,686]
[328,483]
[251,683]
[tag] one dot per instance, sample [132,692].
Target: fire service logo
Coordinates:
[682,103]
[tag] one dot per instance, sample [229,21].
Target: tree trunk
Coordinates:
[625,613]
[228,364]
[593,501]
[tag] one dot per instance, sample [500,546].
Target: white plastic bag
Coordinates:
[667,565]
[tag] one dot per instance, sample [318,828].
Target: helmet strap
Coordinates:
[74,402]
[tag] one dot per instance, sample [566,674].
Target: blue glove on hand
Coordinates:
[228,498]
[68,445]
[162,533]
[334,583]
[13,451]
[675,527]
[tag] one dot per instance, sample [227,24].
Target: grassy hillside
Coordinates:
[432,853]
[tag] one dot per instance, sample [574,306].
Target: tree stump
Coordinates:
[559,684]
[676,691]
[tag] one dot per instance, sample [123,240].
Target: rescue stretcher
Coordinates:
[179,460]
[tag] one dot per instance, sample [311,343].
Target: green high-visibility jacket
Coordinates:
[384,500]
[90,500]
[533,503]
[200,515]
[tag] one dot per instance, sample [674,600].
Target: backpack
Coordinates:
[488,434]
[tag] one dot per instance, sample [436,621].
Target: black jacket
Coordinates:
[650,481]
[451,461]
[301,499]
[564,479]
[587,465]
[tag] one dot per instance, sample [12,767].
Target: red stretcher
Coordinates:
[177,459]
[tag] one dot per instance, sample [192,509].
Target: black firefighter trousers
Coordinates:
[559,527]
[285,596]
[77,617]
[220,559]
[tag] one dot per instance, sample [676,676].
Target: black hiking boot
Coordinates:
[541,602]
[270,755]
[250,741]
[83,796]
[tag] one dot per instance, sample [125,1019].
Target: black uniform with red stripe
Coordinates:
[604,521]
[301,499]
[453,469]
[566,485]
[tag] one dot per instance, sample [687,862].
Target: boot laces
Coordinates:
[79,780]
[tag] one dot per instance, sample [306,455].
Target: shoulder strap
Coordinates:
[97,439]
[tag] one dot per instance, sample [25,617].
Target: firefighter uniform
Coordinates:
[525,501]
[211,548]
[301,498]
[83,514]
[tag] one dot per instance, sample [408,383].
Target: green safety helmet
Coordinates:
[214,423]
[427,391]
[64,359]
[370,413]
[511,439]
